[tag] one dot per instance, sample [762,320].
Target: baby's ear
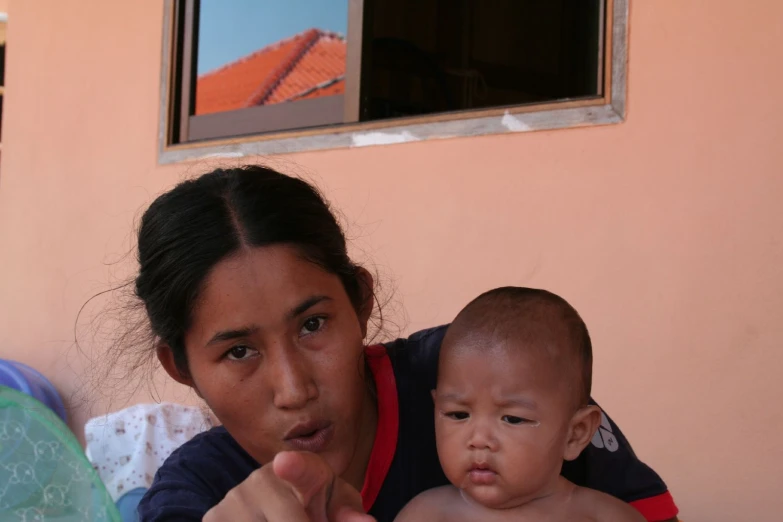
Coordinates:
[581,430]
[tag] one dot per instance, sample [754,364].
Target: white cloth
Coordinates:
[128,446]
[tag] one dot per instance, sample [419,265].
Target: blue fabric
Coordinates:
[128,504]
[30,381]
[199,474]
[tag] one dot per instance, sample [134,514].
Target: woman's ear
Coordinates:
[166,358]
[581,430]
[367,284]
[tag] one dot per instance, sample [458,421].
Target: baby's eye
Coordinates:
[457,415]
[514,420]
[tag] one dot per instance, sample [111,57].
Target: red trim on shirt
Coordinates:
[388,424]
[657,508]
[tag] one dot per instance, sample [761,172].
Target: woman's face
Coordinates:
[275,350]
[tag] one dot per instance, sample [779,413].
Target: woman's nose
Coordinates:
[290,377]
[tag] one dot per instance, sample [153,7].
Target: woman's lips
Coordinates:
[313,436]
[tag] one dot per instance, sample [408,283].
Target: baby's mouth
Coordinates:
[482,474]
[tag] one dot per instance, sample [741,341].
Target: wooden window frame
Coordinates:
[609,108]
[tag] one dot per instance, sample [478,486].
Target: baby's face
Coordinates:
[502,416]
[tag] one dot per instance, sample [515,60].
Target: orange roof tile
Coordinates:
[324,62]
[307,65]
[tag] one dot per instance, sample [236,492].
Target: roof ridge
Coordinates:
[270,47]
[317,87]
[268,86]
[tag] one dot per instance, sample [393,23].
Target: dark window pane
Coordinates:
[445,55]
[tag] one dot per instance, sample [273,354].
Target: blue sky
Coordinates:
[230,29]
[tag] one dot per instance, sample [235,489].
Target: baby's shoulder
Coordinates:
[431,505]
[598,506]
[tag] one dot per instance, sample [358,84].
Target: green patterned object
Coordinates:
[44,474]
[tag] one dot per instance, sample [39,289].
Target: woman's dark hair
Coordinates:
[191,228]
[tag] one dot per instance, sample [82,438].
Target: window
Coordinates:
[3,23]
[252,67]
[273,72]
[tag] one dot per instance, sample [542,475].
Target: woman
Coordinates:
[255,304]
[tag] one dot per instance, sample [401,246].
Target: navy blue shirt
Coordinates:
[198,475]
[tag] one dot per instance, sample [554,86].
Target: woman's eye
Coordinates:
[457,415]
[312,325]
[512,419]
[240,352]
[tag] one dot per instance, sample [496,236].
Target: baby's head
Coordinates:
[512,396]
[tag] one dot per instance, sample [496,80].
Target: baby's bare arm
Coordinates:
[603,507]
[428,506]
[621,512]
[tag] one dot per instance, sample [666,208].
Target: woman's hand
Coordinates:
[295,487]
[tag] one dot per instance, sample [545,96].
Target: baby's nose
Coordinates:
[482,438]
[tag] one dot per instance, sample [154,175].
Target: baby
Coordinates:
[511,404]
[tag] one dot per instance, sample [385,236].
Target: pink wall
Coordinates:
[665,231]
